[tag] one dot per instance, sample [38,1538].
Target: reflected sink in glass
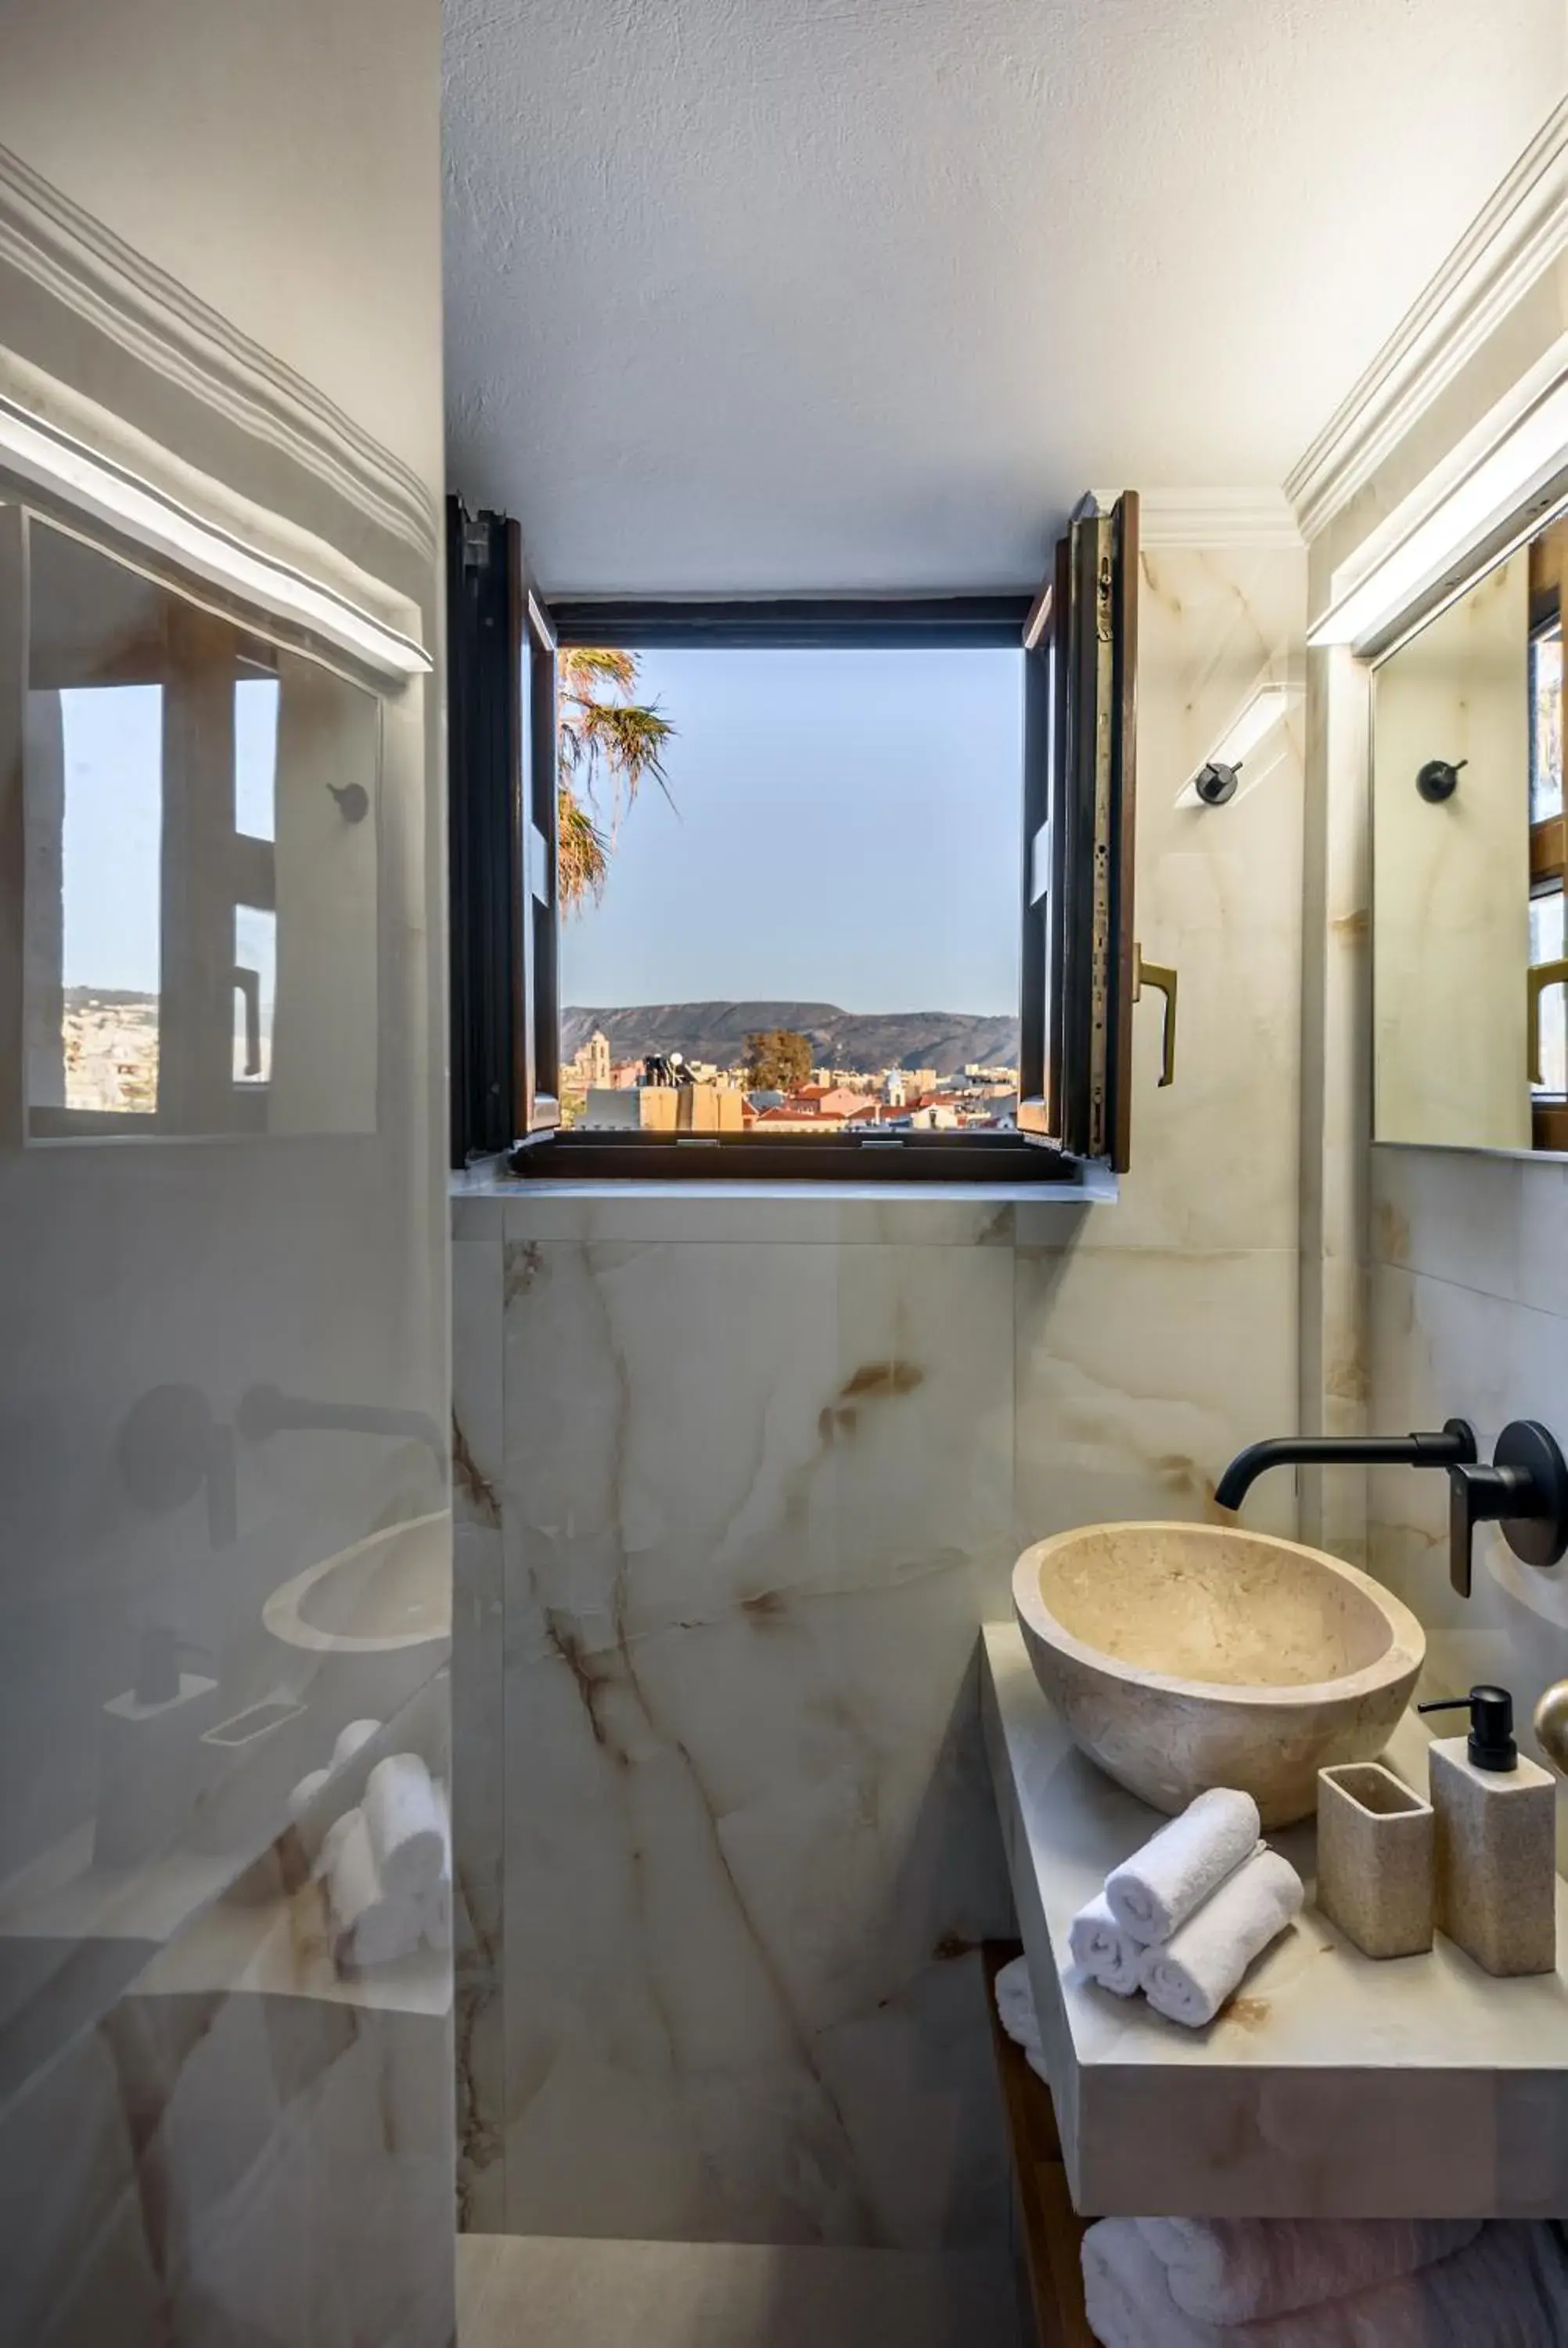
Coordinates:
[1182,1657]
[390,1592]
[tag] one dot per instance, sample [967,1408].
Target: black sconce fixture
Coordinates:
[1438,779]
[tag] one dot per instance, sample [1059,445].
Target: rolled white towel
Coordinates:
[370,1925]
[1105,1949]
[435,1914]
[392,1929]
[305,1793]
[1015,2005]
[350,1740]
[353,1885]
[1153,1894]
[1507,2289]
[406,1821]
[1189,1978]
[1245,2270]
[333,1841]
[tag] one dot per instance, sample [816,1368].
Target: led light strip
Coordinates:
[1525,464]
[35,453]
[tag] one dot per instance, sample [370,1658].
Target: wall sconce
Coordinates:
[1215,781]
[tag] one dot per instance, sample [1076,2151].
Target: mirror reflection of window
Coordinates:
[200,906]
[1548,844]
[1469,838]
[256,757]
[109,763]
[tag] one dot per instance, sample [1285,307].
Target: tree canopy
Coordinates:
[778,1060]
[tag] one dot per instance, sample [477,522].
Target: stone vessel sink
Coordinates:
[389,1591]
[1184,1656]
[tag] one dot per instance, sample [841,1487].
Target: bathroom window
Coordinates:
[1041,1083]
[200,932]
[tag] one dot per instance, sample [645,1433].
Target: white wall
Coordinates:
[278,162]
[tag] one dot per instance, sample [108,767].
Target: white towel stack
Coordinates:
[1264,2284]
[387,1867]
[1015,2011]
[1184,1918]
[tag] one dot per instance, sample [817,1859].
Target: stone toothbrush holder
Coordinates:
[1376,1866]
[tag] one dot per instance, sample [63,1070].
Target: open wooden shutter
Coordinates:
[1078,957]
[501,836]
[538,1023]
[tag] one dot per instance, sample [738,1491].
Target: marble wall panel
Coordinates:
[1468,1318]
[751,1495]
[1141,1374]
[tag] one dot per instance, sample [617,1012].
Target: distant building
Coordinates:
[590,1063]
[662,1108]
[818,1108]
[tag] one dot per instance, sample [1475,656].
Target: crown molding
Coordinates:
[159,321]
[1235,517]
[1523,229]
[103,475]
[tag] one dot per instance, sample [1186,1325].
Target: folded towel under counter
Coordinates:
[1243,2270]
[1014,1995]
[1508,2287]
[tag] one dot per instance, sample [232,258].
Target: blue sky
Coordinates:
[845,828]
[112,836]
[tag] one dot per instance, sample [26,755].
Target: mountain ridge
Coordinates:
[946,1041]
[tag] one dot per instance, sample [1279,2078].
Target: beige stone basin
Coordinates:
[1185,1655]
[391,1590]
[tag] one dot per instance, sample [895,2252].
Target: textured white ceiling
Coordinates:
[752,295]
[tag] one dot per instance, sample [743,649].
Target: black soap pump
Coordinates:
[1490,1744]
[1494,1840]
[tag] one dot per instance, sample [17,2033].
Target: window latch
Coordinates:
[1163,982]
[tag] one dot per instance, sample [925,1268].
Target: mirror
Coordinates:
[1469,982]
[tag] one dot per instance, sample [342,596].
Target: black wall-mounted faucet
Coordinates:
[1525,1489]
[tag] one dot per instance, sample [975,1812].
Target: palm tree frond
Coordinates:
[600,730]
[582,851]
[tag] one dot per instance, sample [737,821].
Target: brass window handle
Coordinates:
[1536,981]
[1163,982]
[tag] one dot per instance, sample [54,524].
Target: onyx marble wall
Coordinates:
[219,259]
[739,1478]
[754,1473]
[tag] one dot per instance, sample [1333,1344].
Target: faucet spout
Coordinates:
[266,1410]
[1455,1447]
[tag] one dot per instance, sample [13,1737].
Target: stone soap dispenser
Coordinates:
[1495,1840]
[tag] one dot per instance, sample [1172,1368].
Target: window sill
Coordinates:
[490,1202]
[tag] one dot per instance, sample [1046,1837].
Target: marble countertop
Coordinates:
[1333,2086]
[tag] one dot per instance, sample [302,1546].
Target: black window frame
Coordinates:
[1078,637]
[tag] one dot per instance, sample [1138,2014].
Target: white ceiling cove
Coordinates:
[782,296]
